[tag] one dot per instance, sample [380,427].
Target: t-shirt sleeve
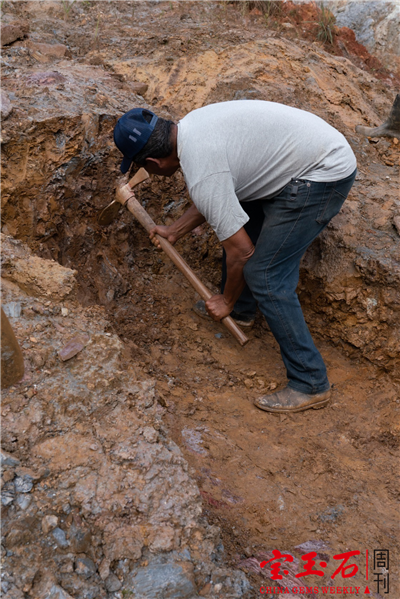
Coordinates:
[215,198]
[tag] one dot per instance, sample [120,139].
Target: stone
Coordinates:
[162,539]
[33,274]
[139,88]
[8,475]
[60,538]
[56,592]
[85,567]
[45,52]
[23,484]
[162,578]
[23,501]
[150,434]
[49,522]
[5,105]
[80,539]
[8,493]
[7,459]
[73,347]
[125,542]
[13,31]
[104,569]
[112,583]
[11,592]
[205,590]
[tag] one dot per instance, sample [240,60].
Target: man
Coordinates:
[268,178]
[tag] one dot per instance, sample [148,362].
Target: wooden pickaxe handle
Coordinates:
[126,198]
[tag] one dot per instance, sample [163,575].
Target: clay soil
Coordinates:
[328,476]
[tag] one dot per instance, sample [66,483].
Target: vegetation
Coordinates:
[67,5]
[266,7]
[326,25]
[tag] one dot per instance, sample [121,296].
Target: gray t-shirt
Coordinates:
[246,150]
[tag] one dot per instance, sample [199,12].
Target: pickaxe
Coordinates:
[125,197]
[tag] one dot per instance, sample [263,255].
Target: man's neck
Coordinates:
[174,140]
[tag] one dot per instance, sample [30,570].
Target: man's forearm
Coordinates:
[235,282]
[187,222]
[238,251]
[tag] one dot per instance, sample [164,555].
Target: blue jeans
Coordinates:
[282,228]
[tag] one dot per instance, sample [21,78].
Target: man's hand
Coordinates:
[187,222]
[218,308]
[166,232]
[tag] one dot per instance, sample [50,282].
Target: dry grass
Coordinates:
[326,25]
[268,8]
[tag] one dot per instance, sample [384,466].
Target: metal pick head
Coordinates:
[109,213]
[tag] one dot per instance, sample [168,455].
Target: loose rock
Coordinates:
[23,484]
[45,52]
[139,88]
[5,105]
[85,567]
[23,501]
[60,538]
[13,32]
[7,459]
[73,347]
[112,583]
[49,523]
[8,493]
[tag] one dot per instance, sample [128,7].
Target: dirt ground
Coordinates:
[323,480]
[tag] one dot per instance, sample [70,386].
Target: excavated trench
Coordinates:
[326,478]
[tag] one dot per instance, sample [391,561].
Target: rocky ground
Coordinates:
[98,500]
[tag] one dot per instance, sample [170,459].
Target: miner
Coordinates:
[268,178]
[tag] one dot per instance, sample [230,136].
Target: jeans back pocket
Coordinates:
[331,203]
[333,198]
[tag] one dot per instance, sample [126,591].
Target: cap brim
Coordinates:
[126,165]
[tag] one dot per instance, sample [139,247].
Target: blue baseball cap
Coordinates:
[132,132]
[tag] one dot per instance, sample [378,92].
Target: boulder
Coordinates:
[12,32]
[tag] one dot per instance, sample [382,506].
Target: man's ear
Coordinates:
[154,161]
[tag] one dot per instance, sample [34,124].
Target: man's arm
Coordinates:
[239,248]
[187,222]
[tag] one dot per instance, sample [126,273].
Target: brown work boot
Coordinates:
[289,400]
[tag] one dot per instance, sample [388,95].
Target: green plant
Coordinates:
[270,8]
[96,31]
[326,25]
[266,7]
[67,5]
[245,7]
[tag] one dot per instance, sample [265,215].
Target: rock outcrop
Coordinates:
[96,498]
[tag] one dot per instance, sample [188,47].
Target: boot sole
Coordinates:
[315,406]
